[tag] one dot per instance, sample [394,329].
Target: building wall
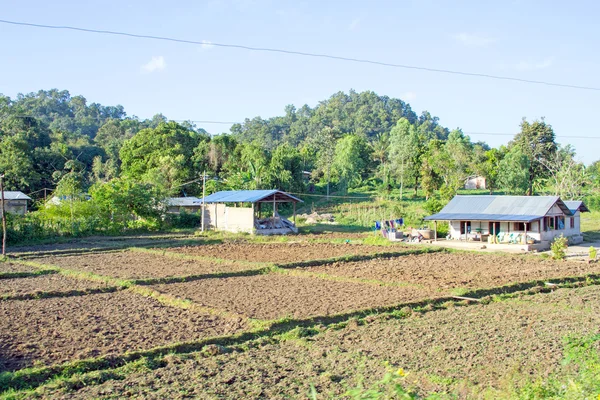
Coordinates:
[15,206]
[536,230]
[232,219]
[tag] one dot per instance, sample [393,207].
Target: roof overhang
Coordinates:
[250,196]
[483,217]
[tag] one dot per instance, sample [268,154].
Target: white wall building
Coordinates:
[512,219]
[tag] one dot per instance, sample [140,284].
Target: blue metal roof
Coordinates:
[245,196]
[498,208]
[577,205]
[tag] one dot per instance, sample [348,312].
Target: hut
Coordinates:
[251,211]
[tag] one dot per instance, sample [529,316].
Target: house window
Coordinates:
[572,222]
[560,223]
[550,223]
[462,227]
[522,226]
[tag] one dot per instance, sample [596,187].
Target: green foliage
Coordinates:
[183,220]
[349,161]
[433,205]
[578,379]
[513,176]
[391,386]
[593,253]
[559,247]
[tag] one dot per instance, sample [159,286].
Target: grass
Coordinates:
[590,226]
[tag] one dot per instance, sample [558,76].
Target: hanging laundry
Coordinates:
[377,225]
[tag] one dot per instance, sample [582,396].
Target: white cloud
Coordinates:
[157,63]
[533,66]
[408,96]
[206,44]
[472,40]
[354,24]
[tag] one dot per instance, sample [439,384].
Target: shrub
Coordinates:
[183,220]
[559,247]
[593,253]
[433,206]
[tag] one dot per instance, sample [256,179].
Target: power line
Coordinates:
[302,53]
[238,122]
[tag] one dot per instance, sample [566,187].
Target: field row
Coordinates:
[61,328]
[465,352]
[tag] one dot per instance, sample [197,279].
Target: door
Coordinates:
[494,228]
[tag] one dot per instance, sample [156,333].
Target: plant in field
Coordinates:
[593,253]
[559,247]
[391,386]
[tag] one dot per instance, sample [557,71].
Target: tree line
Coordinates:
[351,140]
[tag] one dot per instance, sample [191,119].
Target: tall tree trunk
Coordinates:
[416,183]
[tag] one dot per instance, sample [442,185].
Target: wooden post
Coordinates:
[494,231]
[203,201]
[525,238]
[294,206]
[274,208]
[3,217]
[465,231]
[435,231]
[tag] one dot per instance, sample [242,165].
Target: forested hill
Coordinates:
[51,139]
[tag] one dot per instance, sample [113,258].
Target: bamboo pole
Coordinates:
[3,217]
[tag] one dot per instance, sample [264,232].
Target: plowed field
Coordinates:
[281,253]
[138,265]
[8,267]
[461,351]
[60,329]
[275,296]
[45,283]
[457,270]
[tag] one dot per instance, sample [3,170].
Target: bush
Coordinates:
[593,253]
[183,220]
[433,206]
[559,247]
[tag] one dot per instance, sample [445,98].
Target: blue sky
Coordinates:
[540,40]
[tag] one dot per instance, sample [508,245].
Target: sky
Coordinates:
[537,40]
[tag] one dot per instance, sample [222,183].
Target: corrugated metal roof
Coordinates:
[577,205]
[498,208]
[15,195]
[183,201]
[245,196]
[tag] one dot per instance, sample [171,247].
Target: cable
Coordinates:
[232,122]
[301,53]
[337,197]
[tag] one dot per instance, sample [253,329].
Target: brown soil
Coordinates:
[56,330]
[11,268]
[461,351]
[45,283]
[275,296]
[457,270]
[138,265]
[282,253]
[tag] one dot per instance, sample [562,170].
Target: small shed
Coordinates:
[15,202]
[191,204]
[252,211]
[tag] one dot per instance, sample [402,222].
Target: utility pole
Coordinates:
[203,196]
[3,217]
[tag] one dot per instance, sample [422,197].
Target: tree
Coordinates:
[349,160]
[161,155]
[537,142]
[514,172]
[404,151]
[566,177]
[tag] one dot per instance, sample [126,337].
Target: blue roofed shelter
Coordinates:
[251,211]
[512,219]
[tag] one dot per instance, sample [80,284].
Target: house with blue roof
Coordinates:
[251,211]
[526,220]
